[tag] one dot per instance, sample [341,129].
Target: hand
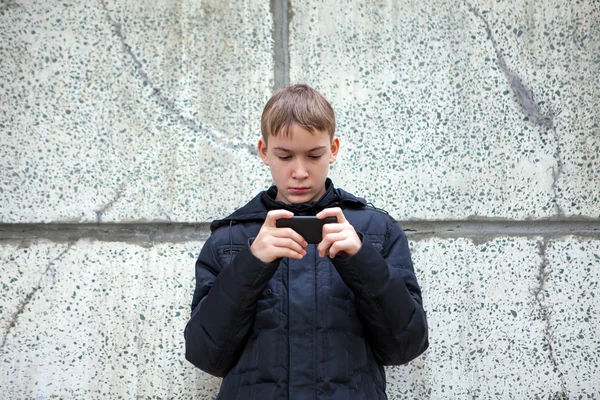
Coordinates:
[338,238]
[272,243]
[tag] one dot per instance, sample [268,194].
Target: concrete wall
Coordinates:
[126,126]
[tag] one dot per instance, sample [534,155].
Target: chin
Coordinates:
[299,199]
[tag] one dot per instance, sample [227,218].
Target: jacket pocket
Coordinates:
[226,253]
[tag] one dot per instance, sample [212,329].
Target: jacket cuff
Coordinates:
[368,275]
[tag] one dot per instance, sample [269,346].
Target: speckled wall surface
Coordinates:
[129,111]
[461,109]
[106,319]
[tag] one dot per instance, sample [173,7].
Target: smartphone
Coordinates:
[309,227]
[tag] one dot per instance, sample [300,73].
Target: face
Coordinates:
[299,163]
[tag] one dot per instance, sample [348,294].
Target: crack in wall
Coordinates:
[25,302]
[164,101]
[539,293]
[107,206]
[556,173]
[528,106]
[523,95]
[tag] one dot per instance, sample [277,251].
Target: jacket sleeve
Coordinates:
[388,297]
[224,308]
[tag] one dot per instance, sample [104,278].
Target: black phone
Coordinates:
[309,227]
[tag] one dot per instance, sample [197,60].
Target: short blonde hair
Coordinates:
[297,104]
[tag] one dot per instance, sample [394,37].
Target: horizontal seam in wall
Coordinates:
[159,232]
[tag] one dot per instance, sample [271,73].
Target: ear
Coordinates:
[335,147]
[262,151]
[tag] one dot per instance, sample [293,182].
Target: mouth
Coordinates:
[299,190]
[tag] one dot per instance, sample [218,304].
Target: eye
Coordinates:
[315,157]
[284,158]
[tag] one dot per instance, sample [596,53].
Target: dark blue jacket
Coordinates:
[314,328]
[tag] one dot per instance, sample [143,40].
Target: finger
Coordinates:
[328,241]
[322,249]
[333,228]
[332,238]
[274,215]
[290,233]
[333,250]
[333,212]
[289,244]
[339,246]
[323,246]
[281,252]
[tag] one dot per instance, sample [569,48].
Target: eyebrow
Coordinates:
[290,151]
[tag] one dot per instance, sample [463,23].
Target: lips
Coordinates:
[299,190]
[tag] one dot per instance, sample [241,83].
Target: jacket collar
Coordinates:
[257,208]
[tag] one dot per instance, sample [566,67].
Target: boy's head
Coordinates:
[298,104]
[298,142]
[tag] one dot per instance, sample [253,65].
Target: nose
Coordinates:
[300,171]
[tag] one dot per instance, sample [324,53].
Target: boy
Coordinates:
[281,319]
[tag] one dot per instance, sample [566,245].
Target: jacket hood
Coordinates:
[259,206]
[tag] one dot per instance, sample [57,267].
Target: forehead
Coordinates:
[299,139]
